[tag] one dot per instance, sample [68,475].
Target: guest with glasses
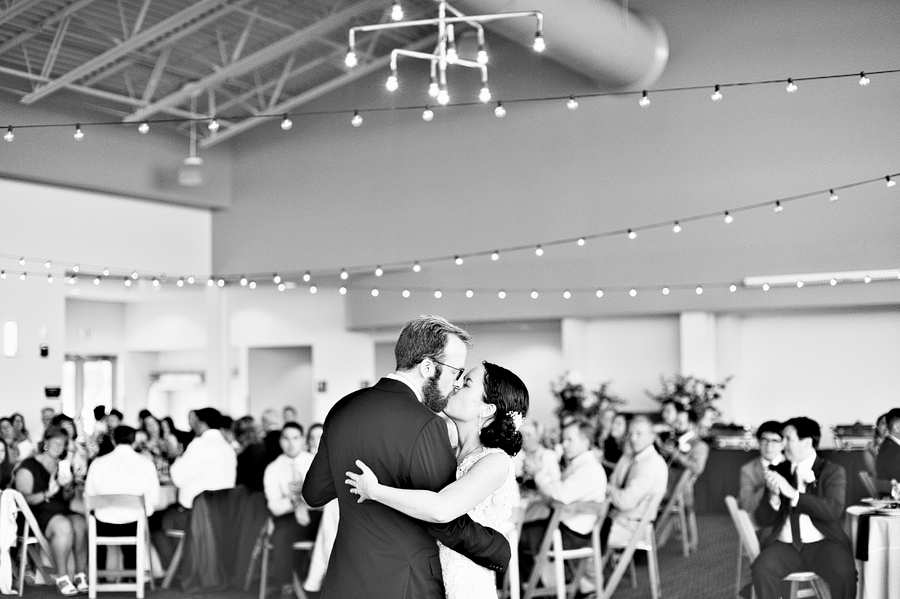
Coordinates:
[753,479]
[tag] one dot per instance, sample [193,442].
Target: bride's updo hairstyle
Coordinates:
[506,391]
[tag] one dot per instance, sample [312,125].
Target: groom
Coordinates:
[394,428]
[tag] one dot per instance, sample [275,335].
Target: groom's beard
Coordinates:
[431,395]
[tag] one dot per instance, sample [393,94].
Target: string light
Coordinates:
[76,268]
[567,294]
[156,282]
[799,284]
[778,207]
[22,261]
[191,280]
[538,251]
[134,275]
[581,241]
[458,260]
[534,294]
[676,228]
[485,94]
[832,197]
[47,264]
[96,280]
[144,128]
[791,86]
[665,291]
[833,282]
[342,290]
[539,44]
[344,275]
[276,278]
[180,282]
[765,287]
[357,119]
[867,279]
[443,96]
[433,88]
[105,272]
[482,56]
[728,218]
[500,112]
[350,60]
[210,282]
[213,125]
[428,115]
[572,103]
[632,234]
[732,288]
[23,275]
[378,271]
[243,281]
[501,294]
[281,287]
[890,182]
[470,294]
[717,94]
[405,293]
[392,84]
[49,278]
[599,293]
[3,274]
[313,289]
[699,290]
[286,123]
[127,282]
[438,294]
[396,12]
[645,100]
[220,282]
[9,135]
[79,134]
[252,284]
[417,267]
[632,292]
[495,256]
[306,277]
[863,80]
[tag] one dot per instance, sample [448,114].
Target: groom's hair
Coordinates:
[426,337]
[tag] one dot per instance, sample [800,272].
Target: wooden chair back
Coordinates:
[32,543]
[639,538]
[673,512]
[868,482]
[135,506]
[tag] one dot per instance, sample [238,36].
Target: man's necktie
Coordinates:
[794,517]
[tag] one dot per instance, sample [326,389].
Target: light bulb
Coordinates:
[470,294]
[72,280]
[791,86]
[495,256]
[863,80]
[485,94]
[732,288]
[799,284]
[632,234]
[281,287]
[76,268]
[699,290]
[252,284]
[405,293]
[276,278]
[567,294]
[396,12]
[220,282]
[3,274]
[482,57]
[676,228]
[243,281]
[210,282]
[765,287]
[350,59]
[832,197]
[644,101]
[717,94]
[890,182]
[213,125]
[47,264]
[356,121]
[452,56]
[599,293]
[342,290]
[538,251]
[286,123]
[500,112]
[191,280]
[539,45]
[378,271]
[49,278]
[778,207]
[501,294]
[417,267]
[344,275]
[867,279]
[155,282]
[105,272]
[127,282]
[572,103]
[728,218]
[313,289]
[79,134]
[632,292]
[443,97]
[96,280]
[534,295]
[833,282]
[433,89]
[23,275]
[438,294]
[458,260]
[180,282]
[144,128]
[392,84]
[581,241]
[427,115]
[22,261]
[665,291]
[306,277]
[9,136]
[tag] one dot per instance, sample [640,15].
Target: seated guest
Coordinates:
[582,480]
[48,488]
[208,464]
[47,413]
[283,485]
[155,447]
[878,436]
[8,434]
[289,414]
[177,439]
[887,466]
[804,505]
[122,471]
[251,458]
[23,439]
[76,450]
[686,452]
[534,459]
[271,430]
[614,445]
[639,478]
[6,466]
[665,430]
[753,479]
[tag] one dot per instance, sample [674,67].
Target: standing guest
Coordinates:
[251,458]
[615,443]
[582,480]
[639,478]
[753,473]
[804,505]
[534,460]
[289,414]
[878,436]
[6,466]
[123,471]
[887,466]
[313,436]
[283,483]
[48,488]
[208,464]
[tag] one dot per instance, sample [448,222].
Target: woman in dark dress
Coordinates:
[6,466]
[48,488]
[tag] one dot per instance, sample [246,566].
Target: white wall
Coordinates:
[279,377]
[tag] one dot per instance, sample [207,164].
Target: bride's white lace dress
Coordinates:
[463,578]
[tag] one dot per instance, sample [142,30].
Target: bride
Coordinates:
[488,410]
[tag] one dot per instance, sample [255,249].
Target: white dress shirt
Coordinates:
[277,478]
[808,531]
[584,479]
[208,464]
[123,471]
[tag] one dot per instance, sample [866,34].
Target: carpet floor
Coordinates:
[707,574]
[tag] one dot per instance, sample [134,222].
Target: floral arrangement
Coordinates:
[692,392]
[574,400]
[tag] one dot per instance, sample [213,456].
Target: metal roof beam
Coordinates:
[259,58]
[177,26]
[314,93]
[17,9]
[44,23]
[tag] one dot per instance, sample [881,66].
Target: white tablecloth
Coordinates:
[879,576]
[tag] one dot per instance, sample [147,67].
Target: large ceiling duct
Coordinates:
[604,41]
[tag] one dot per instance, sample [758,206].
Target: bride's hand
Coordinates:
[363,484]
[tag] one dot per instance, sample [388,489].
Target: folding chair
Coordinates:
[140,540]
[551,548]
[869,483]
[266,536]
[176,557]
[643,539]
[675,514]
[32,544]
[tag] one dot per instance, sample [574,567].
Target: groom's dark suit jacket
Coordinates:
[380,552]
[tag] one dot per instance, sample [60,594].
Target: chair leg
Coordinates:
[176,562]
[692,526]
[740,569]
[633,571]
[264,570]
[92,563]
[653,569]
[141,567]
[559,565]
[23,561]
[298,586]
[823,591]
[795,588]
[682,524]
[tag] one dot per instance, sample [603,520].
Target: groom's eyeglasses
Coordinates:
[459,371]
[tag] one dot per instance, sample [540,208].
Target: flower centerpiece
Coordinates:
[573,399]
[692,392]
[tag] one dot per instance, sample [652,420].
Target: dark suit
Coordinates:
[830,558]
[380,552]
[887,464]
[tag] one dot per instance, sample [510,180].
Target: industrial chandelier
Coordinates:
[445,52]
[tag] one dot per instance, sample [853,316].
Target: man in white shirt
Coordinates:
[208,464]
[582,480]
[123,471]
[804,505]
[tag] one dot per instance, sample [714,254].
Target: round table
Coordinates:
[879,574]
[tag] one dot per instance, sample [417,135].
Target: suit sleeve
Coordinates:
[318,487]
[830,506]
[751,493]
[432,467]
